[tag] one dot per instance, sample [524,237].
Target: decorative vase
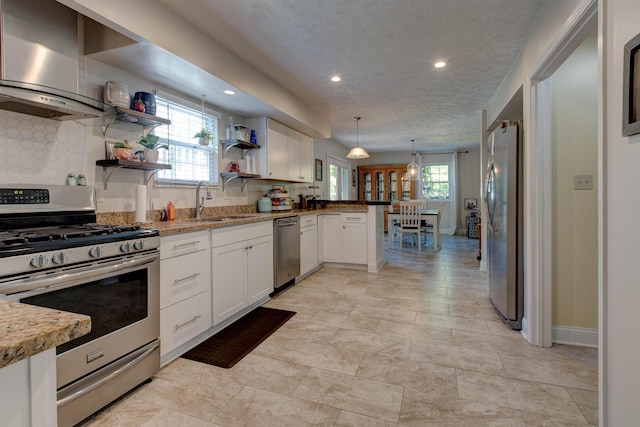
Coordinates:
[151,156]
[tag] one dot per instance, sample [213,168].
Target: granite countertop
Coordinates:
[205,223]
[27,330]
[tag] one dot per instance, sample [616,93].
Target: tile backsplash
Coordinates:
[34,150]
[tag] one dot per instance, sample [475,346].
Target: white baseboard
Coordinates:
[574,336]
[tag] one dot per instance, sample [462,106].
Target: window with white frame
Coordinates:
[190,162]
[435,182]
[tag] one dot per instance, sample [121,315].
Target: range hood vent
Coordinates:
[41,59]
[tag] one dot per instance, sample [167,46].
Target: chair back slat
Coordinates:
[410,214]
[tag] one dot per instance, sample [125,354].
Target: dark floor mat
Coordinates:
[230,345]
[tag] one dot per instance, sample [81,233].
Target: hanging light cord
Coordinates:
[202,109]
[357,133]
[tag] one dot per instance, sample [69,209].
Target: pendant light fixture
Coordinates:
[412,168]
[357,152]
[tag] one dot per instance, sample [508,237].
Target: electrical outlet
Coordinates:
[583,182]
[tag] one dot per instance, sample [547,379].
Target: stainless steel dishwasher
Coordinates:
[286,250]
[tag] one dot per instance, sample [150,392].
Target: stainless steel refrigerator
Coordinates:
[503,196]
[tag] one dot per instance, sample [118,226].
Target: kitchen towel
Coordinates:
[141,203]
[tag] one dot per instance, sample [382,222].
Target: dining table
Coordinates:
[430,215]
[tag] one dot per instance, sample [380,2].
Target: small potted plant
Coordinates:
[122,150]
[151,145]
[204,136]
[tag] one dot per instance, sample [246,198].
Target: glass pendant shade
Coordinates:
[412,167]
[357,152]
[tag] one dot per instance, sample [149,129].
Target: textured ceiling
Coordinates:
[384,50]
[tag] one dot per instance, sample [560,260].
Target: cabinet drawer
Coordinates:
[307,220]
[184,276]
[238,233]
[184,320]
[354,217]
[183,243]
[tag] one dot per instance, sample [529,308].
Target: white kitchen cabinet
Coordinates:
[185,288]
[286,154]
[343,238]
[308,243]
[354,238]
[276,151]
[306,158]
[242,265]
[329,238]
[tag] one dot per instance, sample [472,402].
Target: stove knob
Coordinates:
[39,261]
[60,258]
[95,252]
[139,245]
[125,247]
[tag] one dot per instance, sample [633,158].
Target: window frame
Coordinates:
[214,176]
[422,181]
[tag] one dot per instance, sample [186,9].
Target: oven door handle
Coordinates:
[69,279]
[121,370]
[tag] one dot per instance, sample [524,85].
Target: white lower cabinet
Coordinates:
[242,265]
[308,243]
[185,288]
[343,238]
[354,238]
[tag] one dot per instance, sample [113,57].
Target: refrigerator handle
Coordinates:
[490,207]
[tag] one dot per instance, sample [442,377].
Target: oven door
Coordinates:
[121,295]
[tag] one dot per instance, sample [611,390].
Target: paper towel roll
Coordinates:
[141,203]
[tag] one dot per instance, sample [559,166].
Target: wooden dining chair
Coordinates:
[410,221]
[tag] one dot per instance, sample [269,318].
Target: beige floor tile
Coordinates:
[457,357]
[259,408]
[450,322]
[296,329]
[265,373]
[587,401]
[167,418]
[350,419]
[574,374]
[315,355]
[372,343]
[381,313]
[536,420]
[372,398]
[345,321]
[420,409]
[128,412]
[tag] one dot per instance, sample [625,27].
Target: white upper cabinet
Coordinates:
[286,154]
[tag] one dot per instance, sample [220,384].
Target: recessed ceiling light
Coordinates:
[335,79]
[440,64]
[229,92]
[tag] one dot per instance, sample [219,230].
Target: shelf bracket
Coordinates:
[106,174]
[243,180]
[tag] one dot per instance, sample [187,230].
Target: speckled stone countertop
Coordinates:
[26,330]
[233,215]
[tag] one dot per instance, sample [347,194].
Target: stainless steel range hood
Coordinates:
[41,60]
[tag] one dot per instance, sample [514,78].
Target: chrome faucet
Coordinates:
[199,201]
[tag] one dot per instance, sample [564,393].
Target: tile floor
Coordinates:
[417,344]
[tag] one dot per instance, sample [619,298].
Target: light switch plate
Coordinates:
[583,182]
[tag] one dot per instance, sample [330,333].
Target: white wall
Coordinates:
[621,293]
[575,212]
[322,148]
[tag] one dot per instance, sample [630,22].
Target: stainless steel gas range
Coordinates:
[53,254]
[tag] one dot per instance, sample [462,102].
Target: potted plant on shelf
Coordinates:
[204,136]
[151,145]
[122,150]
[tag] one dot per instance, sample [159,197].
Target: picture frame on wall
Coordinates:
[353,177]
[631,92]
[318,170]
[470,204]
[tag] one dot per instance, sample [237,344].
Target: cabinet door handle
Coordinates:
[193,276]
[187,322]
[248,247]
[186,244]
